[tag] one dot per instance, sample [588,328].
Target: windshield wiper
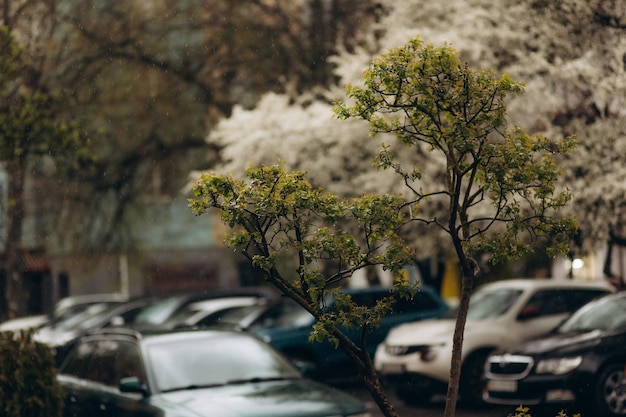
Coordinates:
[193,387]
[231,382]
[257,379]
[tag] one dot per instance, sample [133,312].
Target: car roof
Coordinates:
[160,336]
[540,283]
[213,303]
[91,298]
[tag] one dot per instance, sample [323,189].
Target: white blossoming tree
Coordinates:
[574,83]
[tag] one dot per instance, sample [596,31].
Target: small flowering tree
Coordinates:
[497,191]
[277,213]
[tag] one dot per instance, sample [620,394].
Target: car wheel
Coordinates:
[610,395]
[471,384]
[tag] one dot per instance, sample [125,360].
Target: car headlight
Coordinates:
[426,352]
[558,366]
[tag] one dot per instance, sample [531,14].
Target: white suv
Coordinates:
[415,357]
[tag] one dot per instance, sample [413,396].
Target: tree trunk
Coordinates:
[375,388]
[15,297]
[457,347]
[363,363]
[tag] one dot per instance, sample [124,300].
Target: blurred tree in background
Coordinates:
[148,81]
[32,134]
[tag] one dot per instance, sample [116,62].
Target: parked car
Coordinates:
[139,313]
[208,312]
[158,312]
[415,358]
[287,327]
[241,317]
[66,307]
[62,335]
[581,362]
[192,373]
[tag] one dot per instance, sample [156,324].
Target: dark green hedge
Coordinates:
[28,384]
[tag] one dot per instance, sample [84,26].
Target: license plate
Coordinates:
[393,368]
[499,385]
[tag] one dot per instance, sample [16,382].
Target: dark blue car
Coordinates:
[287,327]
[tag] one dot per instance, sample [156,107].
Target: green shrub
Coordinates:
[28,384]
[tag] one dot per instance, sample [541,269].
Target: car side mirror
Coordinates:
[133,385]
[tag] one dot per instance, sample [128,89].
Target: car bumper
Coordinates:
[435,366]
[533,390]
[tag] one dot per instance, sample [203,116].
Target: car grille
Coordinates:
[396,350]
[508,366]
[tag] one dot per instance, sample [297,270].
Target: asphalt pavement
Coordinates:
[433,409]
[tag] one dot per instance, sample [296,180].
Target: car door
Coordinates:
[81,378]
[91,379]
[127,362]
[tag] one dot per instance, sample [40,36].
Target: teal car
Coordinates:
[191,373]
[287,327]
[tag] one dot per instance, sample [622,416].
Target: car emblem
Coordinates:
[505,360]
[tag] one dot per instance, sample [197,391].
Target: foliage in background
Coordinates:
[28,384]
[147,82]
[32,133]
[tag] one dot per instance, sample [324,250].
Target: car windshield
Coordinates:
[193,312]
[157,312]
[240,316]
[492,302]
[286,314]
[608,313]
[70,311]
[82,317]
[233,359]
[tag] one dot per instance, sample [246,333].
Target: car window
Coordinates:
[286,314]
[242,316]
[105,362]
[578,298]
[158,312]
[128,362]
[422,301]
[78,363]
[559,301]
[492,302]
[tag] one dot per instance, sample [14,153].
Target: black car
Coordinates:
[581,363]
[119,372]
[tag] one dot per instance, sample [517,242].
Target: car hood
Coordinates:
[288,398]
[422,332]
[560,343]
